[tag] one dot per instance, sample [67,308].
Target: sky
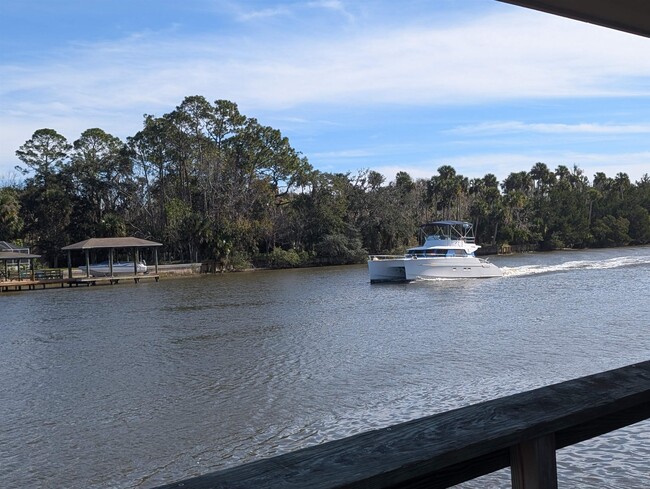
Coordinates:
[480,85]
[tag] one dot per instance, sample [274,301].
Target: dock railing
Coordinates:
[521,431]
[35,274]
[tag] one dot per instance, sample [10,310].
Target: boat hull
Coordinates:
[386,269]
[408,269]
[431,268]
[103,270]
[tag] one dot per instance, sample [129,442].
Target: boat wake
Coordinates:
[576,265]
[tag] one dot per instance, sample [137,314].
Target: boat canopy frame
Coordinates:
[450,230]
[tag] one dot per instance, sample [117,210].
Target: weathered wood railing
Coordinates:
[522,431]
[40,274]
[48,274]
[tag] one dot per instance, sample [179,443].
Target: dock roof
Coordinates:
[15,255]
[126,242]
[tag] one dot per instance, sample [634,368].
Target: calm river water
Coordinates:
[133,386]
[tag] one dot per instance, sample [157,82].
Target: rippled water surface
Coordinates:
[132,386]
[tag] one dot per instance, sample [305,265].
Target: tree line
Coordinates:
[214,185]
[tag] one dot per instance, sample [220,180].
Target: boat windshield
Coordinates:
[439,252]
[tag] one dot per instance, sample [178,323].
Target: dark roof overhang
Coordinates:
[631,16]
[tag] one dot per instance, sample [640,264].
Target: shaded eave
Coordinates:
[631,16]
[98,243]
[14,255]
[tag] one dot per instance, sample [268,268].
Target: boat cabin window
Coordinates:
[456,252]
[436,252]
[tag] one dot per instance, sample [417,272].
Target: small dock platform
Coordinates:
[29,284]
[18,285]
[31,279]
[111,280]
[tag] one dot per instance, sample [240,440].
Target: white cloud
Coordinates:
[334,5]
[491,59]
[519,55]
[346,153]
[265,13]
[488,128]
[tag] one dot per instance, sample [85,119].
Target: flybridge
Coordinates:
[449,230]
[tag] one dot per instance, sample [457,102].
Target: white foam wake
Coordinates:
[618,262]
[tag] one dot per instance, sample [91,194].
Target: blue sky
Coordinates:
[390,86]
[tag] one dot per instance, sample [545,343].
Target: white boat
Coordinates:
[447,252]
[103,269]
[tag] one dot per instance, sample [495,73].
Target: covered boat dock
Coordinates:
[16,275]
[134,247]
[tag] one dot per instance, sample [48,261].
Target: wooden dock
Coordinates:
[28,284]
[45,283]
[112,280]
[32,279]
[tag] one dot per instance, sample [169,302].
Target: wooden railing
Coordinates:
[40,274]
[48,274]
[522,431]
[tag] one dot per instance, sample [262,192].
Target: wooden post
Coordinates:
[533,464]
[87,263]
[69,264]
[155,254]
[135,261]
[110,261]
